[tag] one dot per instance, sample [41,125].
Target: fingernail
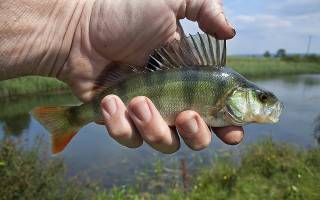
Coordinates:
[109,107]
[234,31]
[177,36]
[142,111]
[232,27]
[190,126]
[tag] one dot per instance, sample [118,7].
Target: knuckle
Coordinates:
[157,136]
[170,150]
[120,133]
[155,139]
[198,146]
[134,144]
[234,141]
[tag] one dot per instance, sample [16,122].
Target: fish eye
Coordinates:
[263,97]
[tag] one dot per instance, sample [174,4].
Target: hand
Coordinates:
[143,116]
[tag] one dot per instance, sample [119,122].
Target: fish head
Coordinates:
[252,104]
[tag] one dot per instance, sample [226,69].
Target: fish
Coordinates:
[187,74]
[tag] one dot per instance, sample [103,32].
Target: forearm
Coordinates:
[36,36]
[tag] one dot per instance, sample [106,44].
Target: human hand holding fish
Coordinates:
[88,42]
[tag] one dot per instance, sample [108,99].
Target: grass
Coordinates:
[266,170]
[252,67]
[30,85]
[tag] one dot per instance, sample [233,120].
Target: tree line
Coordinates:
[282,54]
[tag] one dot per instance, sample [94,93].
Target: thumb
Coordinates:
[210,17]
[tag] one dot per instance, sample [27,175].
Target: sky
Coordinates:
[263,25]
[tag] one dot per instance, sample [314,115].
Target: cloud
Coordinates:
[262,21]
[296,7]
[306,24]
[245,19]
[271,24]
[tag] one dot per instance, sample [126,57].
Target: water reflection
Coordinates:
[316,131]
[15,125]
[15,117]
[307,80]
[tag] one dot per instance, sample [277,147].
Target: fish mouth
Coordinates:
[270,118]
[274,117]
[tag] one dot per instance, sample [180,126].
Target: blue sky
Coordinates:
[271,24]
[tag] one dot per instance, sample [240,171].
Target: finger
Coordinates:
[210,17]
[193,130]
[230,135]
[118,122]
[153,129]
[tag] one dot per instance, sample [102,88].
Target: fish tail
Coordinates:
[60,122]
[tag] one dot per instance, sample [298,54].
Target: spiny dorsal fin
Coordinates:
[114,73]
[195,50]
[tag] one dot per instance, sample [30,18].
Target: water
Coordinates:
[93,152]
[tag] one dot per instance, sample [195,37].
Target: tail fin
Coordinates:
[57,121]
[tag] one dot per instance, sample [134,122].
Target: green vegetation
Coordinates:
[14,114]
[30,85]
[248,66]
[12,106]
[24,176]
[254,67]
[299,58]
[266,170]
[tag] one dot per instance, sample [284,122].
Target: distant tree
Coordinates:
[281,53]
[267,54]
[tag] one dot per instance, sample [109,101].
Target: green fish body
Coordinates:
[186,75]
[203,90]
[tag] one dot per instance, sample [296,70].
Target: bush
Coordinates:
[266,170]
[311,58]
[24,176]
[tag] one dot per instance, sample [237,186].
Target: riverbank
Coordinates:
[266,170]
[30,85]
[251,67]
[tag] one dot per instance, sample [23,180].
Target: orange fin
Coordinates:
[61,140]
[56,121]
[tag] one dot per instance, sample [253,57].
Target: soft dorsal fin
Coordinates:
[195,50]
[190,51]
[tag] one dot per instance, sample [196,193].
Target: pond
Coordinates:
[94,153]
